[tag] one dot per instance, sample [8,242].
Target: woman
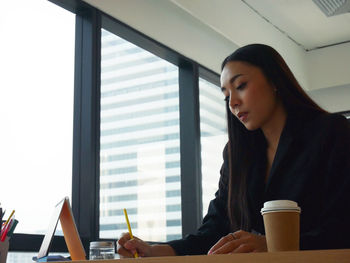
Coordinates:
[282,145]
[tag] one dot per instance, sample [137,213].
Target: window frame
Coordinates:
[86,126]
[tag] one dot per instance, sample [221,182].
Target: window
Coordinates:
[126,133]
[139,144]
[213,138]
[36,111]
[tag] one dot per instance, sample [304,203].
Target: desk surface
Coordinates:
[310,256]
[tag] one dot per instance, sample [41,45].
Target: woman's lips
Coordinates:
[242,116]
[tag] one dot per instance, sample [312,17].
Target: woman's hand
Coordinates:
[127,247]
[239,242]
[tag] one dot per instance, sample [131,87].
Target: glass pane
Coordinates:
[140,156]
[213,137]
[36,110]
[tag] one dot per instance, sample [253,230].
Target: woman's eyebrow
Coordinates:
[223,89]
[235,77]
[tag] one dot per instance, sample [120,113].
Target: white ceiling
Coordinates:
[316,47]
[248,21]
[301,20]
[304,22]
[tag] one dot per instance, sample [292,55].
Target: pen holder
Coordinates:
[4,248]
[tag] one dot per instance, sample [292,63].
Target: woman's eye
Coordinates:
[241,86]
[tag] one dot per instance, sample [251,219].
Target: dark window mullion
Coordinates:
[86,138]
[191,179]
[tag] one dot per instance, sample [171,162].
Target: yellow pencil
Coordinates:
[13,211]
[129,228]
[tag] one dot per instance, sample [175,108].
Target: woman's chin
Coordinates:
[250,126]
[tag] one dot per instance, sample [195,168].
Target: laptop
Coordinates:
[63,213]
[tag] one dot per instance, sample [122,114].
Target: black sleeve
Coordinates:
[215,224]
[332,228]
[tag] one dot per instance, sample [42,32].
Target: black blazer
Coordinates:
[311,167]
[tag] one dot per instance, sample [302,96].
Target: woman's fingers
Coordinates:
[123,238]
[127,247]
[221,245]
[243,248]
[226,248]
[124,253]
[240,233]
[217,245]
[138,245]
[239,242]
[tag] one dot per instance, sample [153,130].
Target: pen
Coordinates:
[12,228]
[5,231]
[129,228]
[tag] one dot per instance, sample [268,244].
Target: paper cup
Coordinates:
[282,225]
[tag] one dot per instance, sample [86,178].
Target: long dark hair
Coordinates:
[242,142]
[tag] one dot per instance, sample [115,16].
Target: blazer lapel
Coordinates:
[284,145]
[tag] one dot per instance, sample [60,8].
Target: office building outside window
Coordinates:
[213,138]
[139,144]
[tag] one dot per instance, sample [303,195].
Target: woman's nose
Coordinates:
[234,102]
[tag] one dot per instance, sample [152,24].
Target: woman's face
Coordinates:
[252,99]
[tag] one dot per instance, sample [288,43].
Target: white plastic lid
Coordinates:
[280,205]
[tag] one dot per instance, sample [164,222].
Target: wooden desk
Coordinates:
[310,256]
